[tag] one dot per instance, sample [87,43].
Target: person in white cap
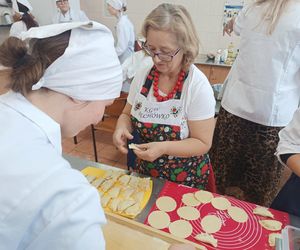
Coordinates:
[23,19]
[125,36]
[66,13]
[59,85]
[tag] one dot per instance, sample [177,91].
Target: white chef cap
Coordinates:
[24,2]
[89,69]
[117,4]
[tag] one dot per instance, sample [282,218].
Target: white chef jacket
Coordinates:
[263,85]
[17,28]
[44,203]
[290,137]
[70,16]
[125,38]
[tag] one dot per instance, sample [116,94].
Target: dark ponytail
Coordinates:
[29,21]
[28,68]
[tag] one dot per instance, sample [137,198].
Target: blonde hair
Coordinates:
[176,19]
[273,12]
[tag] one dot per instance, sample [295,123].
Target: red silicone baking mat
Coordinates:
[232,235]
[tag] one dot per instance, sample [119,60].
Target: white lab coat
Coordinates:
[17,28]
[44,203]
[263,85]
[70,16]
[125,38]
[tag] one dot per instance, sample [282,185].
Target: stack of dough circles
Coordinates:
[159,219]
[211,224]
[166,204]
[220,203]
[238,214]
[204,196]
[181,228]
[190,200]
[188,213]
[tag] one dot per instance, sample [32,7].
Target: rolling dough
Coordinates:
[211,224]
[220,203]
[263,211]
[159,219]
[181,228]
[188,213]
[190,200]
[271,225]
[166,204]
[207,238]
[272,238]
[204,196]
[238,214]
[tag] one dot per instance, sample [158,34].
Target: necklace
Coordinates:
[171,95]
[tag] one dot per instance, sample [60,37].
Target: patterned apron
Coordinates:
[164,121]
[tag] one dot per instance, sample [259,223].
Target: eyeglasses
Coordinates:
[162,56]
[62,1]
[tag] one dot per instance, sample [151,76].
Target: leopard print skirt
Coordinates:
[243,159]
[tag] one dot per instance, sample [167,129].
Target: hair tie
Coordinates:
[22,61]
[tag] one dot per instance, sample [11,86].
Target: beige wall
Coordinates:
[207,16]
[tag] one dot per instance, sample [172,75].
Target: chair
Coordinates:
[109,120]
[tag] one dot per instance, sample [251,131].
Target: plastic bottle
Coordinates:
[218,56]
[224,55]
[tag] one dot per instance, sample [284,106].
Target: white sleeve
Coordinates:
[201,102]
[77,227]
[239,21]
[123,37]
[289,137]
[16,29]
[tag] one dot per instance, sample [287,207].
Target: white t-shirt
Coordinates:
[263,85]
[197,94]
[44,203]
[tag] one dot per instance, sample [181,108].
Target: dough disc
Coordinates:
[188,213]
[211,224]
[166,204]
[190,200]
[204,196]
[181,228]
[272,225]
[159,219]
[238,214]
[220,203]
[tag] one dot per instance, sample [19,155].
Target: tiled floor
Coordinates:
[107,152]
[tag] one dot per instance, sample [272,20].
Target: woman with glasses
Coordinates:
[170,104]
[23,20]
[66,14]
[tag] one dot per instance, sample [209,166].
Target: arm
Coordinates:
[123,130]
[293,163]
[199,142]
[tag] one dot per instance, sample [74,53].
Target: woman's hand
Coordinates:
[150,151]
[228,28]
[120,137]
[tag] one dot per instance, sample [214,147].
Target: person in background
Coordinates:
[61,81]
[171,104]
[65,13]
[23,19]
[125,35]
[288,153]
[261,94]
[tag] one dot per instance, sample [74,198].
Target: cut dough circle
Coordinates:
[188,213]
[181,228]
[238,214]
[159,219]
[271,225]
[166,204]
[220,203]
[190,200]
[204,196]
[211,224]
[263,211]
[272,238]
